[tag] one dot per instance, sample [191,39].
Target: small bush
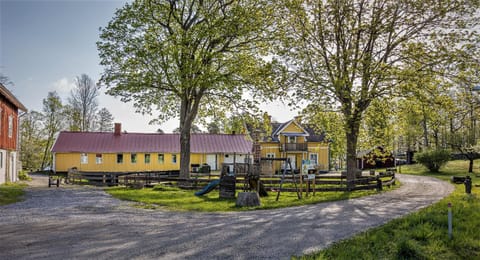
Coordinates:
[433,159]
[23,175]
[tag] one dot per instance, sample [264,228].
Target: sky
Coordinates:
[46,44]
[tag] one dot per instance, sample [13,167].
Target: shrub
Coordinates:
[23,175]
[433,159]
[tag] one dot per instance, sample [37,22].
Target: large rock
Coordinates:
[248,199]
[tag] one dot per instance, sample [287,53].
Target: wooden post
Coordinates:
[379,184]
[234,164]
[314,186]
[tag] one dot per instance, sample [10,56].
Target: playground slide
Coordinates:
[207,188]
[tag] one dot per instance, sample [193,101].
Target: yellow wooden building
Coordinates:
[297,142]
[117,152]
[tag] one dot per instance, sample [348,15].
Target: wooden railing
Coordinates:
[294,147]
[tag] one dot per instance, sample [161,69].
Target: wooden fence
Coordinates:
[271,182]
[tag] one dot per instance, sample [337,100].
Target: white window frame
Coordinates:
[174,158]
[98,158]
[133,158]
[83,158]
[120,155]
[290,138]
[162,160]
[145,156]
[314,162]
[10,126]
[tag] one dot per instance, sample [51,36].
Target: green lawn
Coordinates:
[173,198]
[11,193]
[422,235]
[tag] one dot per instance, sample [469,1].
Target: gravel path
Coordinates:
[85,223]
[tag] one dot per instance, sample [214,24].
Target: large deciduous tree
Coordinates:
[349,53]
[83,102]
[32,140]
[52,112]
[177,57]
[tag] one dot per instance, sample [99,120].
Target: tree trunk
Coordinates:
[44,160]
[426,144]
[352,130]
[185,152]
[188,112]
[470,165]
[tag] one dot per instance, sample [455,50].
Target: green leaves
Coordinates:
[159,54]
[433,159]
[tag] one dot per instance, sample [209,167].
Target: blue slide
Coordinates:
[208,188]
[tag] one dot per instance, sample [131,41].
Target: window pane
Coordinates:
[161,158]
[133,158]
[147,158]
[83,158]
[10,126]
[98,158]
[119,158]
[174,158]
[313,158]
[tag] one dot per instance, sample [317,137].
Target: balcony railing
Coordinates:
[294,147]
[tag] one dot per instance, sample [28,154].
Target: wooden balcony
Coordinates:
[294,147]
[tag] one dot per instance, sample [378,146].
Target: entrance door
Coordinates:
[292,161]
[212,161]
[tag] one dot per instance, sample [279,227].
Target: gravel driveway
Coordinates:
[85,223]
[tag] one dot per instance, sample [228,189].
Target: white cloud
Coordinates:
[63,86]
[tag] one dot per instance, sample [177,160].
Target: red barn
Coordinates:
[9,135]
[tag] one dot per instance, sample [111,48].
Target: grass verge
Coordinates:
[424,234]
[176,199]
[11,193]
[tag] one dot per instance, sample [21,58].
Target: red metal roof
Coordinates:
[100,142]
[10,97]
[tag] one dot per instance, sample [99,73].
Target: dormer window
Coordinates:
[292,139]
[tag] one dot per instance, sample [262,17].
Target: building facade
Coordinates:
[9,135]
[296,142]
[139,152]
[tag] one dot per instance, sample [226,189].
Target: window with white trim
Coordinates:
[133,158]
[98,158]
[161,158]
[147,158]
[119,158]
[10,126]
[314,158]
[292,139]
[83,158]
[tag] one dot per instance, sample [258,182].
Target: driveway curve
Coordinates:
[86,223]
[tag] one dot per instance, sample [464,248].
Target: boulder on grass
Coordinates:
[248,199]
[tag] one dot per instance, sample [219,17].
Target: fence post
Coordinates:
[379,184]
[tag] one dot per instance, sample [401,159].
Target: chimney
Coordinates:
[233,132]
[118,129]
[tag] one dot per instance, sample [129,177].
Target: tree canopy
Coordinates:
[179,57]
[346,54]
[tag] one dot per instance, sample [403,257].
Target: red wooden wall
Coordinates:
[8,109]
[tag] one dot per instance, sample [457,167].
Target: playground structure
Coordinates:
[247,176]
